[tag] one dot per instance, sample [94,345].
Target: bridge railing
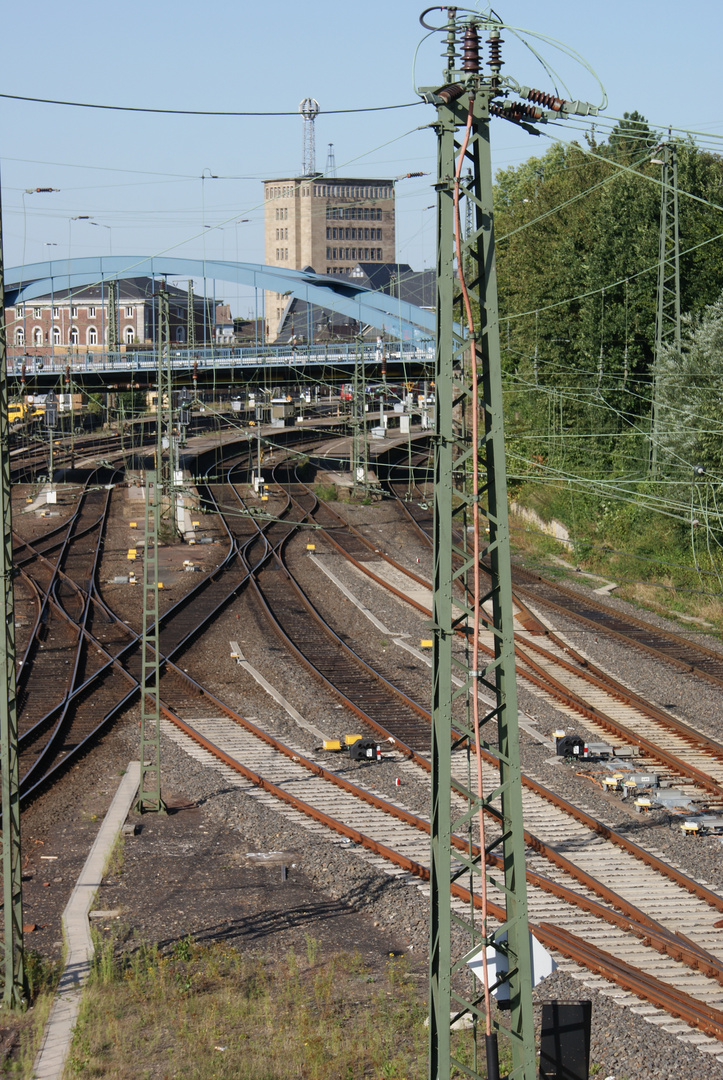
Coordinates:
[287,356]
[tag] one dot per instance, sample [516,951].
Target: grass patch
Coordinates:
[659,563]
[205,1012]
[325,492]
[27,1027]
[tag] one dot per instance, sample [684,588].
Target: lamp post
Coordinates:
[100,225]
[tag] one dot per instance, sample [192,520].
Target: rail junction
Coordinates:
[598,900]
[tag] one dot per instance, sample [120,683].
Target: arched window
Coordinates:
[20,336]
[74,336]
[56,335]
[128,335]
[92,335]
[180,334]
[37,336]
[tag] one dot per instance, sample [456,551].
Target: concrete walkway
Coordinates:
[50,1062]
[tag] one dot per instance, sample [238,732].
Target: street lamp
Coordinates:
[100,225]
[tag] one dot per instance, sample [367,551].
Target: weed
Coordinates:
[209,1013]
[114,863]
[312,948]
[183,949]
[325,492]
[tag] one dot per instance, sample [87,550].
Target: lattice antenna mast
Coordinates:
[667,314]
[471,547]
[330,162]
[309,109]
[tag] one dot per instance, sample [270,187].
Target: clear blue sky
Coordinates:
[139,176]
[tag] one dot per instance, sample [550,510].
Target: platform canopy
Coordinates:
[386,313]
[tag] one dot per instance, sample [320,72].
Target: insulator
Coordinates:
[470,49]
[451,92]
[495,41]
[548,100]
[515,110]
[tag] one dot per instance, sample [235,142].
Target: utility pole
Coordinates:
[15,987]
[113,335]
[470,486]
[191,331]
[667,314]
[359,465]
[149,795]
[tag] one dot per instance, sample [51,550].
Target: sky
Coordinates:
[142,183]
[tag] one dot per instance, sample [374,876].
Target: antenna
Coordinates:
[309,108]
[331,161]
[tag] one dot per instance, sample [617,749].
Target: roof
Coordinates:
[398,279]
[142,288]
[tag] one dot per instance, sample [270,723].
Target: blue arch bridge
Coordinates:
[407,331]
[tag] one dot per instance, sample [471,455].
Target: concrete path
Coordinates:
[50,1061]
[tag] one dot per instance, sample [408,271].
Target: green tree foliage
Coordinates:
[577,246]
[691,399]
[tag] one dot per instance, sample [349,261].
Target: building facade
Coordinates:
[79,319]
[328,224]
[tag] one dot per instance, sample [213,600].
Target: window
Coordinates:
[129,312]
[20,336]
[91,312]
[328,255]
[74,336]
[74,313]
[56,335]
[36,312]
[180,334]
[128,334]
[37,336]
[92,335]
[20,313]
[353,253]
[333,253]
[379,254]
[56,313]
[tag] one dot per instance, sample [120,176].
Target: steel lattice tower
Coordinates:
[667,314]
[158,484]
[15,990]
[472,574]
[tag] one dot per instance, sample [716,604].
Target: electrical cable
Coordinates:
[197,112]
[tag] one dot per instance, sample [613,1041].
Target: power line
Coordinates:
[196,112]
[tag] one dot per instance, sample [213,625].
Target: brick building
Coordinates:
[79,319]
[327,223]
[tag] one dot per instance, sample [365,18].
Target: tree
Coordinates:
[577,242]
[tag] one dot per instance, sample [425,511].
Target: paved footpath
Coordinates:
[50,1061]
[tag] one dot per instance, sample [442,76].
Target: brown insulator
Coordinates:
[548,100]
[451,92]
[470,49]
[515,111]
[495,41]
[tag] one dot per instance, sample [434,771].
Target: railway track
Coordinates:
[199,715]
